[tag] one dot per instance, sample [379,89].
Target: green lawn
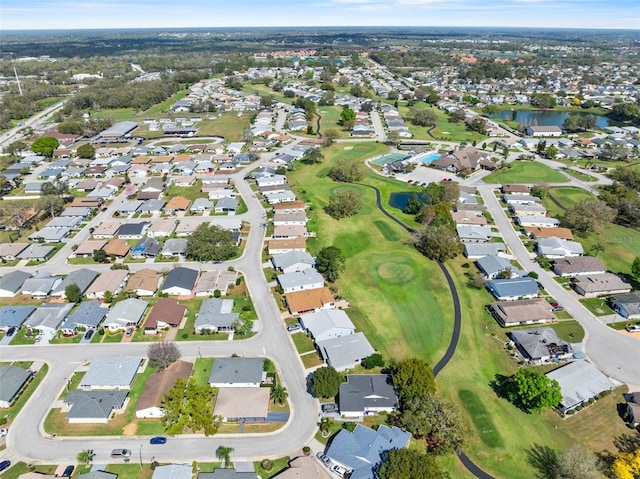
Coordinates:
[567,196]
[444,129]
[569,331]
[202,370]
[189,192]
[526,172]
[621,246]
[20,468]
[165,105]
[304,343]
[118,114]
[330,115]
[597,306]
[229,126]
[579,175]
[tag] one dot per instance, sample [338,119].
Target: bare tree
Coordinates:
[162,354]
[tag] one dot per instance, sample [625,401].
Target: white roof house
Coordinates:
[327,323]
[111,373]
[125,313]
[553,247]
[299,281]
[48,317]
[293,261]
[345,352]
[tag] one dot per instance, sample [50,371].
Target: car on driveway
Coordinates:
[158,440]
[635,328]
[558,308]
[339,470]
[68,471]
[129,332]
[88,334]
[325,460]
[4,432]
[293,327]
[11,331]
[554,304]
[4,465]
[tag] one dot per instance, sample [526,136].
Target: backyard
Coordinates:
[526,172]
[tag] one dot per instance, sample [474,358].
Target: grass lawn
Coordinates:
[187,333]
[228,126]
[526,172]
[118,114]
[597,306]
[444,130]
[330,115]
[579,175]
[621,246]
[189,192]
[112,337]
[201,370]
[20,468]
[567,196]
[311,360]
[569,331]
[303,343]
[165,105]
[131,471]
[277,465]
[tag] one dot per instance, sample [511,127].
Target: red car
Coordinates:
[554,304]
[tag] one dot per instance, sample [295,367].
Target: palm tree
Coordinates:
[278,393]
[224,455]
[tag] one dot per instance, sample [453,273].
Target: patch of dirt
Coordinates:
[130,429]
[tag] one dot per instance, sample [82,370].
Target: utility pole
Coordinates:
[17,80]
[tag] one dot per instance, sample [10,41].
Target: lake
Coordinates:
[544,117]
[400,200]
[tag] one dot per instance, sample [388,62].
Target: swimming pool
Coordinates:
[429,158]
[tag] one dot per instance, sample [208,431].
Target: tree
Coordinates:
[73,293]
[540,191]
[551,152]
[247,134]
[491,110]
[456,116]
[242,326]
[435,419]
[45,146]
[211,243]
[330,136]
[414,205]
[423,117]
[189,406]
[438,243]
[531,390]
[312,156]
[223,454]
[266,100]
[434,191]
[55,188]
[343,204]
[450,192]
[328,98]
[374,361]
[108,297]
[330,261]
[627,465]
[325,382]
[413,379]
[347,170]
[99,255]
[409,464]
[393,137]
[278,393]
[86,151]
[163,354]
[15,148]
[635,267]
[347,114]
[543,100]
[588,215]
[577,462]
[85,456]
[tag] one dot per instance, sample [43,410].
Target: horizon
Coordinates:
[65,15]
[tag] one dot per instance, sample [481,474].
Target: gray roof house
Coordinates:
[133,230]
[14,316]
[111,373]
[478,250]
[237,372]
[48,317]
[82,277]
[40,285]
[579,382]
[494,266]
[327,323]
[180,282]
[541,345]
[125,313]
[365,394]
[226,205]
[512,289]
[362,450]
[11,283]
[36,252]
[146,248]
[576,265]
[216,315]
[173,471]
[626,305]
[201,205]
[95,474]
[592,286]
[293,261]
[93,406]
[300,281]
[87,315]
[474,233]
[50,234]
[230,474]
[174,247]
[12,380]
[345,352]
[553,247]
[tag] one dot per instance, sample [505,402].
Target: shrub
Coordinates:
[266,465]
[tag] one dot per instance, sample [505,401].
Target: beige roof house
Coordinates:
[161,228]
[215,280]
[237,403]
[280,246]
[86,248]
[117,247]
[537,232]
[178,203]
[145,282]
[592,286]
[112,280]
[468,218]
[309,300]
[106,230]
[524,311]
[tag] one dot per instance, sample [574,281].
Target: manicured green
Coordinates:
[277,465]
[597,306]
[229,126]
[485,427]
[20,468]
[526,172]
[444,129]
[569,331]
[303,343]
[202,370]
[165,105]
[567,196]
[579,175]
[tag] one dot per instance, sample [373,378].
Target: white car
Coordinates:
[3,432]
[339,470]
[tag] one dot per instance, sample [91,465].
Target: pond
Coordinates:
[543,117]
[400,200]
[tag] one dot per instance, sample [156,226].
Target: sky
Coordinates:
[73,14]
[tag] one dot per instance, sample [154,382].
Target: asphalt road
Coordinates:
[14,133]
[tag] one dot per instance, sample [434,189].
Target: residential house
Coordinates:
[13,380]
[93,474]
[528,209]
[166,312]
[513,289]
[10,251]
[289,231]
[216,280]
[520,199]
[536,221]
[367,394]
[579,382]
[237,372]
[290,207]
[39,286]
[113,373]
[129,207]
[543,131]
[11,283]
[327,323]
[281,246]
[117,247]
[310,301]
[174,247]
[81,277]
[82,212]
[112,280]
[293,261]
[125,314]
[571,267]
[541,345]
[511,189]
[538,233]
[50,235]
[299,281]
[14,316]
[145,248]
[493,267]
[218,193]
[148,405]
[553,247]
[180,282]
[88,247]
[87,315]
[522,311]
[144,282]
[345,352]
[133,230]
[36,252]
[48,317]
[173,471]
[177,203]
[201,205]
[468,218]
[474,233]
[161,228]
[272,180]
[216,315]
[227,205]
[627,306]
[93,407]
[282,197]
[592,286]
[153,185]
[250,404]
[106,230]
[360,452]
[151,207]
[298,218]
[465,159]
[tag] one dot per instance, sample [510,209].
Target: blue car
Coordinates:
[4,465]
[158,440]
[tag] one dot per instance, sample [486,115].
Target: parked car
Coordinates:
[554,304]
[68,471]
[635,328]
[4,432]
[4,465]
[293,327]
[120,453]
[324,459]
[158,440]
[11,331]
[339,470]
[558,308]
[129,332]
[88,334]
